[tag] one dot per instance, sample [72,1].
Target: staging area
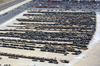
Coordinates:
[35,36]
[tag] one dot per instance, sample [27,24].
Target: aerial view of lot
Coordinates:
[49,33]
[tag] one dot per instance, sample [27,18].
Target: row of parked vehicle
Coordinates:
[60,18]
[60,36]
[34,58]
[17,46]
[61,49]
[50,47]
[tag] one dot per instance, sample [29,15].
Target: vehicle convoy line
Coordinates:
[10,5]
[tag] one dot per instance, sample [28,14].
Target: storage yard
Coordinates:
[48,37]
